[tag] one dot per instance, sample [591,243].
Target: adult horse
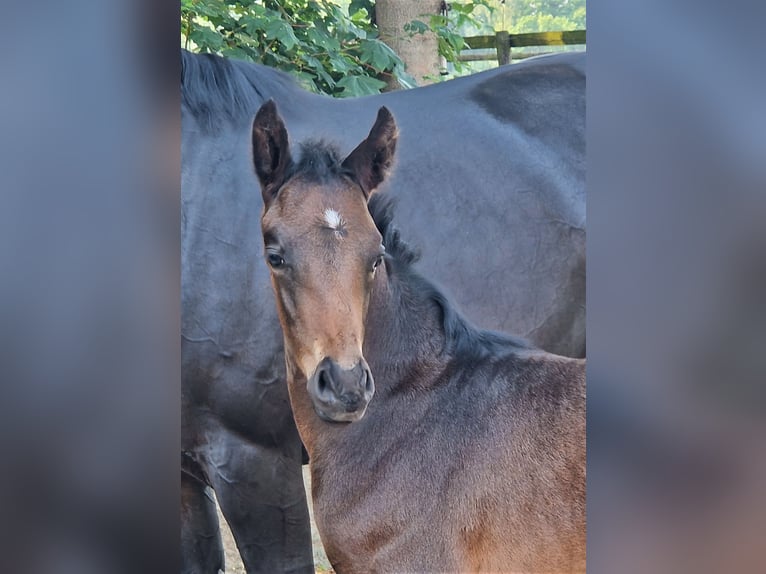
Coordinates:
[435,446]
[513,258]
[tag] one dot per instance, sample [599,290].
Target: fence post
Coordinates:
[503,46]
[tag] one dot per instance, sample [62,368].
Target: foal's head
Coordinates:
[323,250]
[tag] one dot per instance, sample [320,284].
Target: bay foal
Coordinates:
[471,455]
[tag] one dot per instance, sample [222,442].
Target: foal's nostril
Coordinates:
[323,383]
[338,394]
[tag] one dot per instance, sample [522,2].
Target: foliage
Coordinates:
[332,49]
[519,16]
[482,17]
[514,16]
[571,11]
[447,28]
[543,23]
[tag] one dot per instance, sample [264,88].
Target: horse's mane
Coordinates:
[216,89]
[462,338]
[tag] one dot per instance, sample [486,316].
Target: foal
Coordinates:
[471,456]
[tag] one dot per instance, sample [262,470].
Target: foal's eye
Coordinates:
[378,261]
[276,261]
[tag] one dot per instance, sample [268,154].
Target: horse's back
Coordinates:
[539,471]
[516,494]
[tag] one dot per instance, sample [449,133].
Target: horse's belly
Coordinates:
[248,400]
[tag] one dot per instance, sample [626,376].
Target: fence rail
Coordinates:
[502,42]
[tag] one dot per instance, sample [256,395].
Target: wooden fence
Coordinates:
[503,42]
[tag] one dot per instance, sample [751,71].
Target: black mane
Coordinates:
[462,337]
[214,88]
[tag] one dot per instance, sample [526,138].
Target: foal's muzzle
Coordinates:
[341,395]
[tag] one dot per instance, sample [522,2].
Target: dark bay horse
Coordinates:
[434,446]
[491,186]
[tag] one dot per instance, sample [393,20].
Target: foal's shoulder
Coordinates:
[539,368]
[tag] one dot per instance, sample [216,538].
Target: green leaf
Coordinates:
[378,54]
[357,5]
[203,10]
[319,70]
[360,86]
[235,52]
[282,32]
[405,80]
[326,41]
[206,38]
[253,24]
[348,27]
[340,64]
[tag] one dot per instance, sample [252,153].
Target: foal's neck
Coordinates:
[404,333]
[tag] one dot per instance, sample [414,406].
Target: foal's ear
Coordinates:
[372,159]
[271,150]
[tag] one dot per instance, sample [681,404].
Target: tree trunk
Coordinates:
[420,53]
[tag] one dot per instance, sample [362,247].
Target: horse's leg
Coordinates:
[261,493]
[201,546]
